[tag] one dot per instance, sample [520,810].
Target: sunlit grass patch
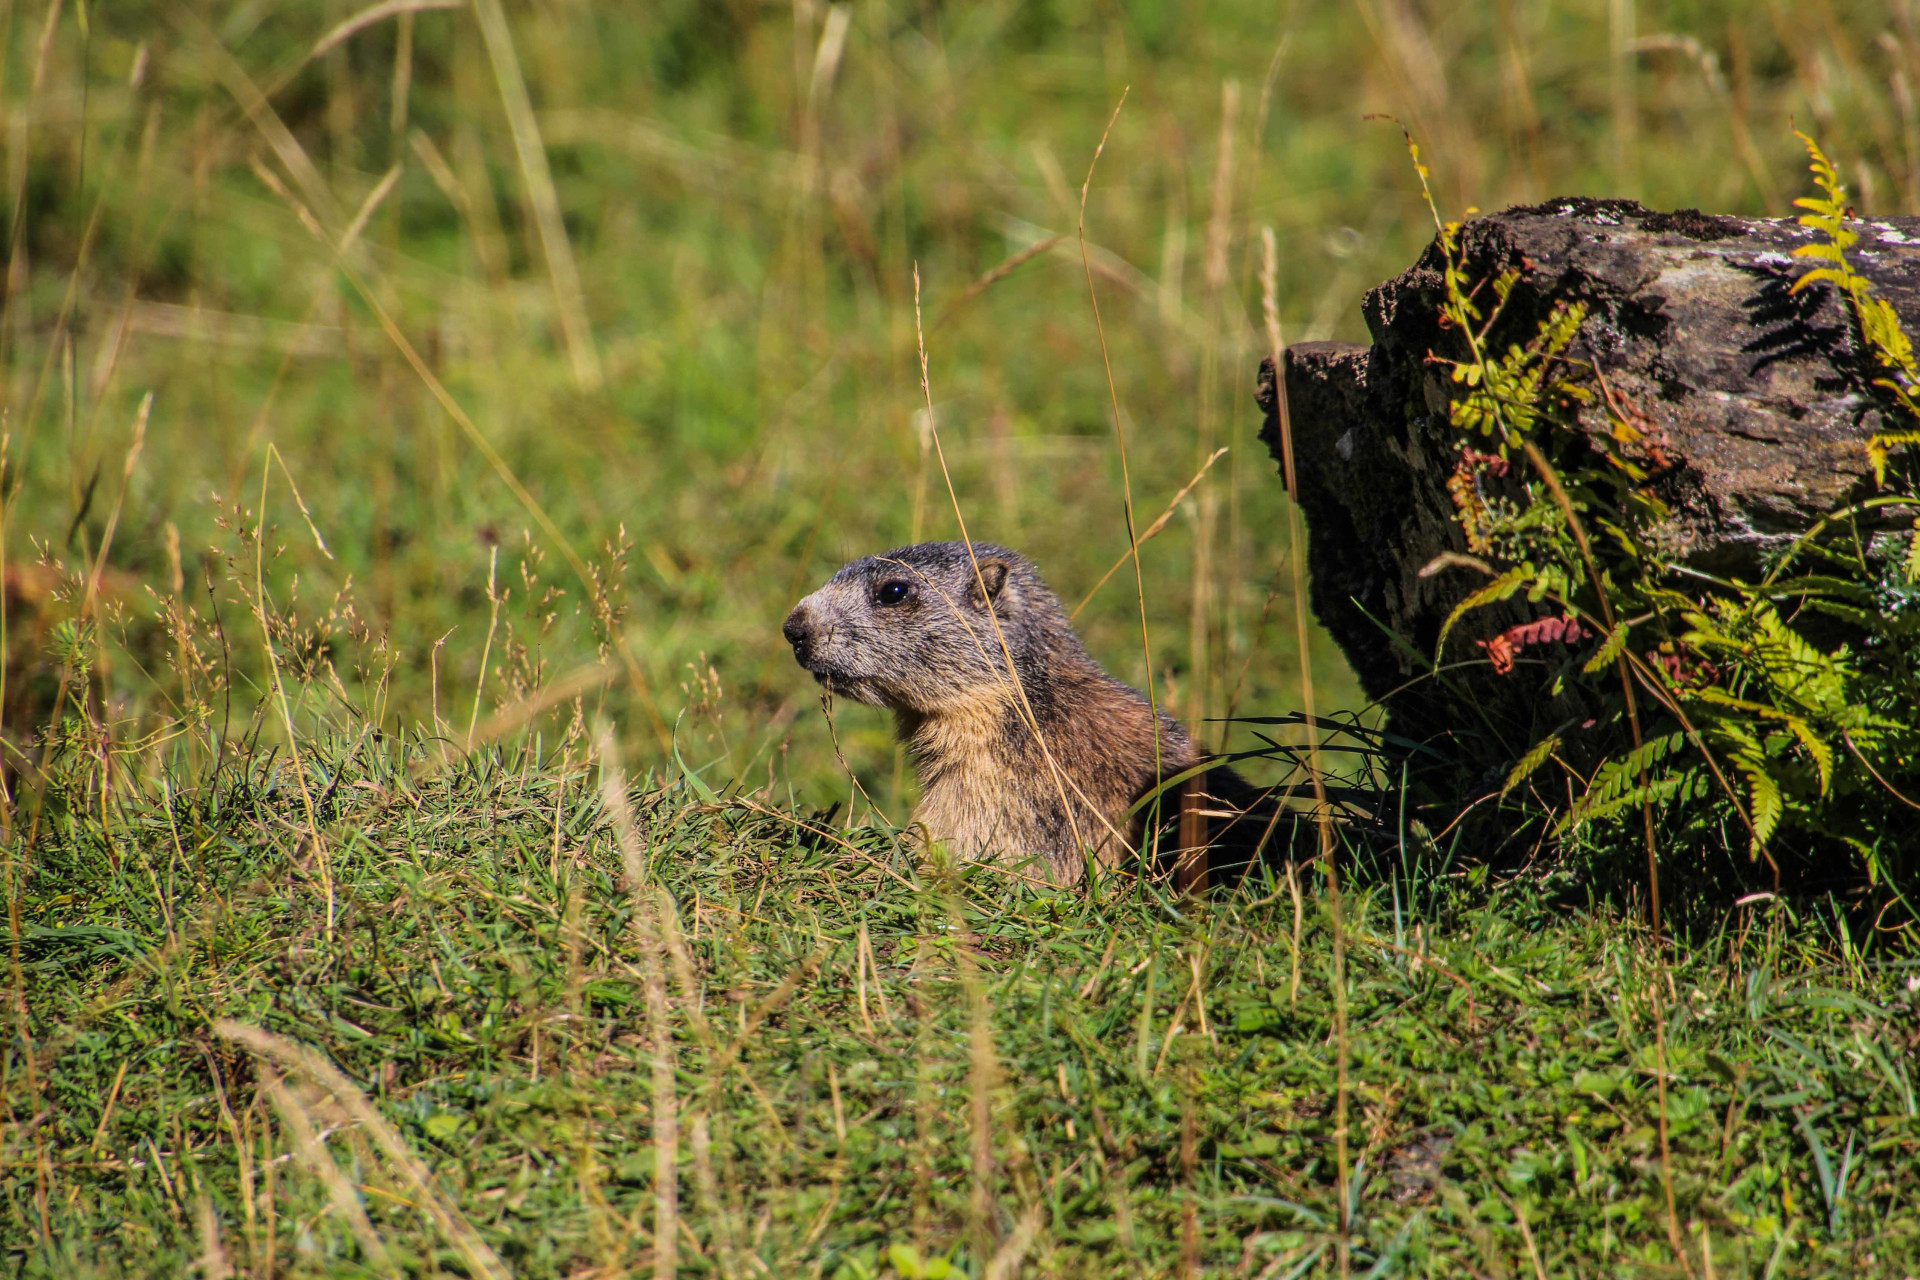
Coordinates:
[1154,1078]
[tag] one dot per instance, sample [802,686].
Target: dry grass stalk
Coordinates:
[214,1264]
[1620,43]
[648,933]
[1559,494]
[401,1160]
[376,13]
[1060,780]
[1219,331]
[1005,1262]
[1159,523]
[310,1149]
[1296,550]
[1119,429]
[270,125]
[1189,1162]
[277,686]
[982,1079]
[486,650]
[21,126]
[995,275]
[140,419]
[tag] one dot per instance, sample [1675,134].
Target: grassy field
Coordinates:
[410,412]
[865,1055]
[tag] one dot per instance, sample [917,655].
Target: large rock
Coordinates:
[1761,394]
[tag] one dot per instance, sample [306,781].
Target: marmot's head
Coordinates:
[909,629]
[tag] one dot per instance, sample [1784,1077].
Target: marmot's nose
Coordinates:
[798,630]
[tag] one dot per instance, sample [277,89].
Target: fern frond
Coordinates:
[1865,619]
[1765,805]
[1537,755]
[1825,212]
[1810,677]
[1616,783]
[1657,791]
[1880,448]
[1841,276]
[1817,748]
[1499,589]
[1880,324]
[1821,584]
[1609,650]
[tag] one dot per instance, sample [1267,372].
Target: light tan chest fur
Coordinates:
[984,799]
[967,776]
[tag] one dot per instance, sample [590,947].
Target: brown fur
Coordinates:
[911,630]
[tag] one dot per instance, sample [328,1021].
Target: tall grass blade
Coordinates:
[545,201]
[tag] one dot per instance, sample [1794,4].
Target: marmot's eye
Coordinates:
[893,592]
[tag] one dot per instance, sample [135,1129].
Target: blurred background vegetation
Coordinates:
[613,306]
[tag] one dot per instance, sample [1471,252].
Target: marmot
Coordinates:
[913,630]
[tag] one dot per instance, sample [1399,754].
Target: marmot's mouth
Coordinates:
[826,676]
[844,684]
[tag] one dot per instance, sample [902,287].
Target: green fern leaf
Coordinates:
[1499,589]
[1816,747]
[1767,806]
[1620,777]
[1881,447]
[1604,656]
[1657,791]
[1838,275]
[1536,756]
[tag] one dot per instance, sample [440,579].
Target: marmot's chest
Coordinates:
[985,787]
[988,790]
[1013,812]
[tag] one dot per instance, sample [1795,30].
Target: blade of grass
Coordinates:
[311,1151]
[1159,523]
[1296,544]
[1059,777]
[647,931]
[535,172]
[1552,481]
[492,455]
[372,14]
[1120,433]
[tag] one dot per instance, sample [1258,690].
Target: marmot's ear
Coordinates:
[994,574]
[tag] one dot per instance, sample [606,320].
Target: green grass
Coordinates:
[317,588]
[1154,1084]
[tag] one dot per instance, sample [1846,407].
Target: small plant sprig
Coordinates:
[1504,394]
[1880,328]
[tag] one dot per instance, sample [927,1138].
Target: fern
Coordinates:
[1880,326]
[1799,740]
[1501,588]
[1609,651]
[1536,756]
[1880,448]
[1616,784]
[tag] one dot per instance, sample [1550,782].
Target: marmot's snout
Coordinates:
[798,629]
[818,632]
